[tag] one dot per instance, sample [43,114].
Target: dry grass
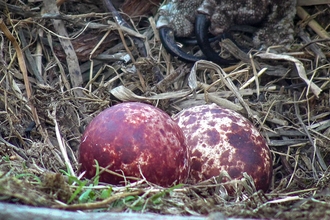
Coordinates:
[285,95]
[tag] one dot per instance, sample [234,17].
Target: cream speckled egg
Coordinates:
[221,139]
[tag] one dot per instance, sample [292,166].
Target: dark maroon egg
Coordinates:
[221,139]
[135,138]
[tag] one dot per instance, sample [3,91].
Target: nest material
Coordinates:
[285,95]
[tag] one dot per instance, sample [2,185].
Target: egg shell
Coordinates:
[221,139]
[132,135]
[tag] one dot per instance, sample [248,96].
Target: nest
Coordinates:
[61,66]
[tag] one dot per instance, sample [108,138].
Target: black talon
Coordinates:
[201,29]
[193,41]
[120,20]
[242,28]
[167,39]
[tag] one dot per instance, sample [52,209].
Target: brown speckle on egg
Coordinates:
[135,138]
[223,140]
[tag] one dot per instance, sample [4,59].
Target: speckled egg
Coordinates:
[221,139]
[135,138]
